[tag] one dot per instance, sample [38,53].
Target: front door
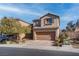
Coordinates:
[53,35]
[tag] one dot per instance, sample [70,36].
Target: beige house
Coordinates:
[73,34]
[46,27]
[23,23]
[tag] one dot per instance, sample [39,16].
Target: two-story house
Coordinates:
[46,28]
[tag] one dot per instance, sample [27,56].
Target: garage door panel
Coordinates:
[43,36]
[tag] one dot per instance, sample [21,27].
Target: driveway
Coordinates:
[39,42]
[37,48]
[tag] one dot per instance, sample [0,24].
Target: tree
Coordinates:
[77,23]
[70,26]
[63,30]
[9,26]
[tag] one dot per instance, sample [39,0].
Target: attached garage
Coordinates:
[45,35]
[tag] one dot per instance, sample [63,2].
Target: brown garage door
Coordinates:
[45,35]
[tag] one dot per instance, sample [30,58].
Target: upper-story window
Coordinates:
[48,21]
[36,23]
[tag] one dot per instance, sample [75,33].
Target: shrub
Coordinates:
[60,40]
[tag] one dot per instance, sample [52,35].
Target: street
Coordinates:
[9,51]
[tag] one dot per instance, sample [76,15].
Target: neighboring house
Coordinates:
[23,23]
[77,29]
[17,35]
[46,27]
[76,32]
[73,34]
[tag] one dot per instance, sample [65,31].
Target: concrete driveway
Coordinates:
[39,42]
[37,48]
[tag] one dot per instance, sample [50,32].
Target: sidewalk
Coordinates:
[65,48]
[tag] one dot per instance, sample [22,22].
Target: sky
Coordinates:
[30,11]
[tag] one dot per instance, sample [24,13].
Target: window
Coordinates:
[48,21]
[36,23]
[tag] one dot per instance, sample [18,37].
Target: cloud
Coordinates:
[21,11]
[71,14]
[10,9]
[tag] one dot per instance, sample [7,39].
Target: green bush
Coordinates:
[60,40]
[66,42]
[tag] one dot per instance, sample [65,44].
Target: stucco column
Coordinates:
[34,35]
[57,33]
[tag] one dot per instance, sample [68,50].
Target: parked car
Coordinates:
[12,37]
[3,37]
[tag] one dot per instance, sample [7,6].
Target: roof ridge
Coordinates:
[23,21]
